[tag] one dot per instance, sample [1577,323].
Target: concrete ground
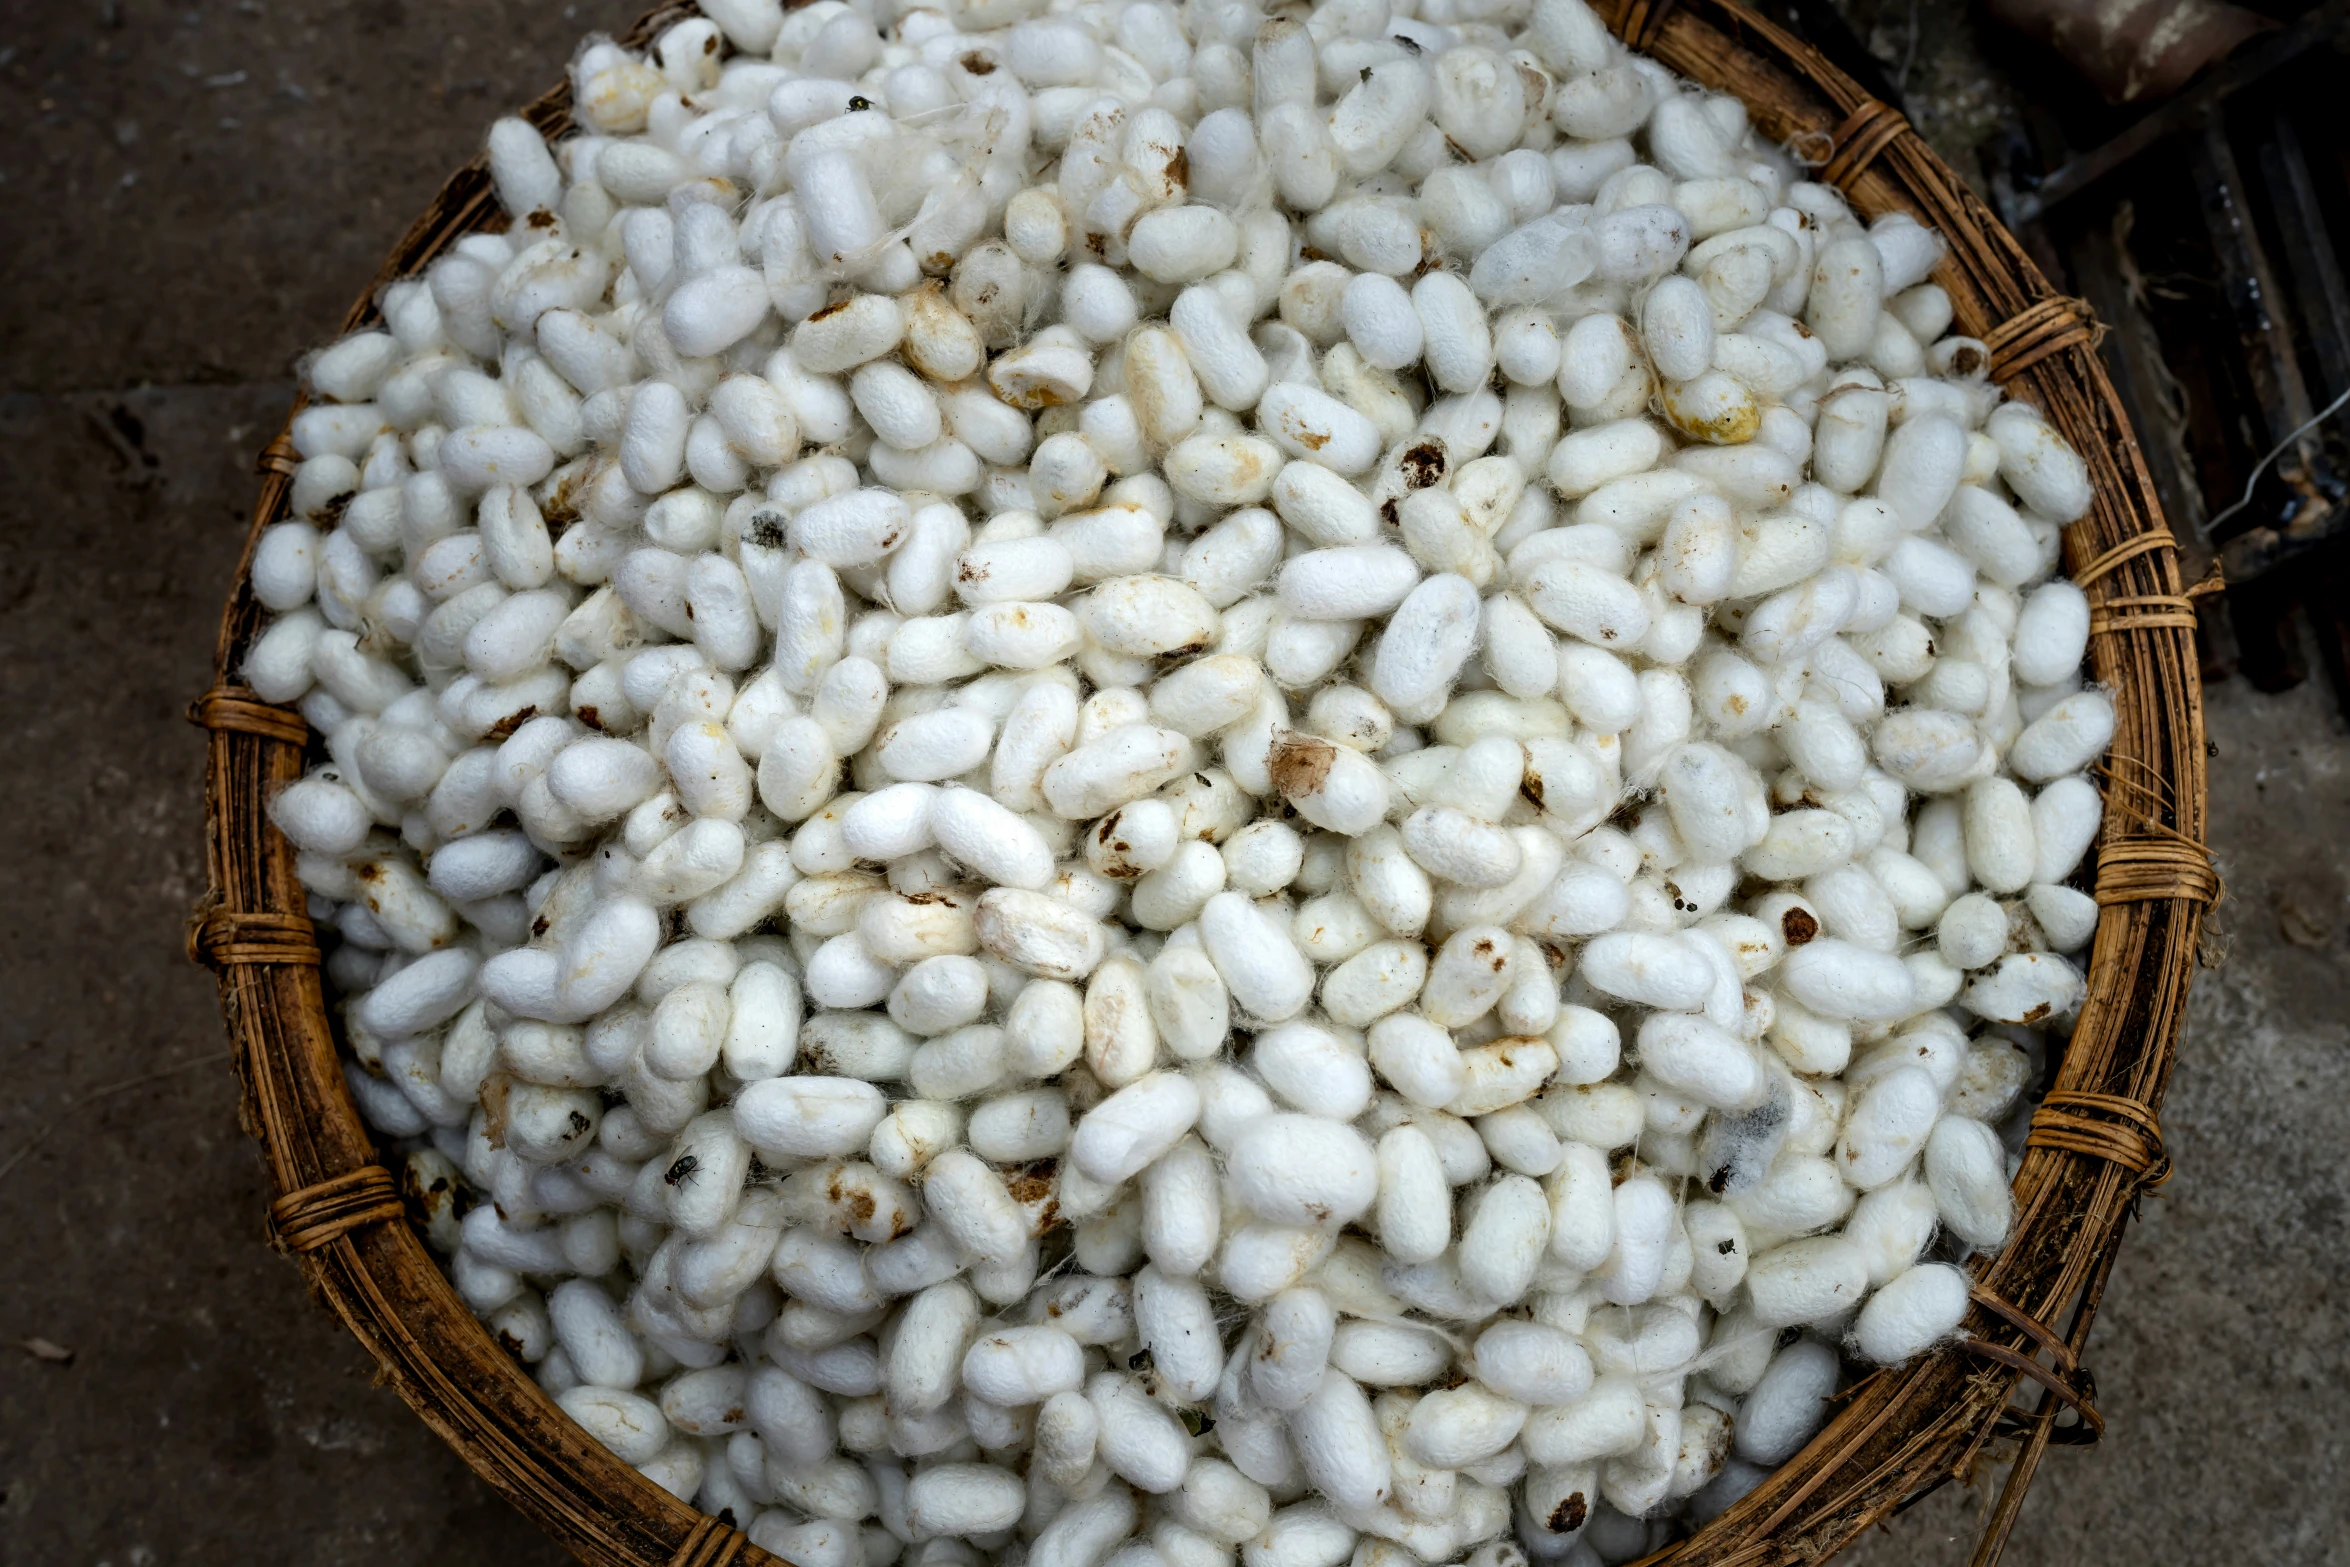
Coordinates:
[193,196]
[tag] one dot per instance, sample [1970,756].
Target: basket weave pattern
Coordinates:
[2095,1141]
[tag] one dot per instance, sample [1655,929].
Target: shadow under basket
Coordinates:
[2094,1140]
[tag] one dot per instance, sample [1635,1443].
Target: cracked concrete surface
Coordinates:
[194,196]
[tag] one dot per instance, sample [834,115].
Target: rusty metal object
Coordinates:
[2134,51]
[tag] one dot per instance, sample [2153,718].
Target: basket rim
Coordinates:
[1901,1431]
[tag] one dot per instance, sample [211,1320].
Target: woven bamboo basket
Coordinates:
[2094,1144]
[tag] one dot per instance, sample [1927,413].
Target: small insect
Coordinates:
[682,1171]
[860,102]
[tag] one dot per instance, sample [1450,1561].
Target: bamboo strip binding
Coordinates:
[2120,1131]
[712,1544]
[1899,1433]
[2052,326]
[2135,870]
[1867,131]
[312,1217]
[220,939]
[2130,549]
[235,708]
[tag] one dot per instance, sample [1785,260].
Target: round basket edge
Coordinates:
[1900,1433]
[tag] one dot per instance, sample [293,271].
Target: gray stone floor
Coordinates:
[192,196]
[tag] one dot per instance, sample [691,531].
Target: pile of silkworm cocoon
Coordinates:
[1125,785]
